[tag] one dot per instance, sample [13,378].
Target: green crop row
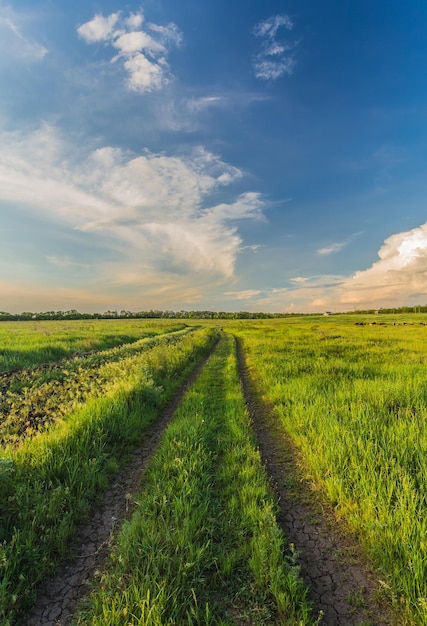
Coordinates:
[48,483]
[30,401]
[26,344]
[355,402]
[203,546]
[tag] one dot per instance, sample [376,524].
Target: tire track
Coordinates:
[58,596]
[342,586]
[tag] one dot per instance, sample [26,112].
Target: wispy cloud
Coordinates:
[318,281]
[203,103]
[153,210]
[15,41]
[248,294]
[337,246]
[189,112]
[142,47]
[276,56]
[65,262]
[253,247]
[334,247]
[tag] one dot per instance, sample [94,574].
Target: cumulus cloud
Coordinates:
[398,275]
[154,210]
[276,56]
[15,42]
[100,28]
[141,47]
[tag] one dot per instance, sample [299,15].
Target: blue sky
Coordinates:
[213,155]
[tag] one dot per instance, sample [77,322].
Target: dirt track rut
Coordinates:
[57,597]
[342,587]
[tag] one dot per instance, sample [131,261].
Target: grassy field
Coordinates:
[203,546]
[48,481]
[32,400]
[352,396]
[354,399]
[27,344]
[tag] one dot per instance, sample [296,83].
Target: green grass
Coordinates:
[203,546]
[49,481]
[354,399]
[27,344]
[32,400]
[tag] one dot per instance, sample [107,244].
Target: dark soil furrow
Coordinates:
[342,586]
[57,597]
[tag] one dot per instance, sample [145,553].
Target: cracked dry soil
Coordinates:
[57,597]
[342,586]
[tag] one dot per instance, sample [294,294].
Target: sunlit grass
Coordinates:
[355,401]
[32,400]
[203,546]
[26,344]
[48,482]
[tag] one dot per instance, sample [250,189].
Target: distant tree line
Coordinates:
[419,308]
[152,314]
[72,314]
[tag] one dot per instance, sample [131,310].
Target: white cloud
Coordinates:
[100,28]
[144,75]
[398,275]
[268,28]
[299,280]
[137,41]
[142,53]
[134,21]
[334,247]
[253,247]
[272,69]
[168,34]
[189,113]
[247,294]
[200,104]
[153,210]
[276,56]
[338,246]
[248,204]
[15,43]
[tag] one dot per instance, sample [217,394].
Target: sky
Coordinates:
[213,155]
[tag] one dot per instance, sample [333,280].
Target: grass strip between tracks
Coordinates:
[48,483]
[203,546]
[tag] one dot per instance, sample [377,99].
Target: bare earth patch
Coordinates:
[342,586]
[57,597]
